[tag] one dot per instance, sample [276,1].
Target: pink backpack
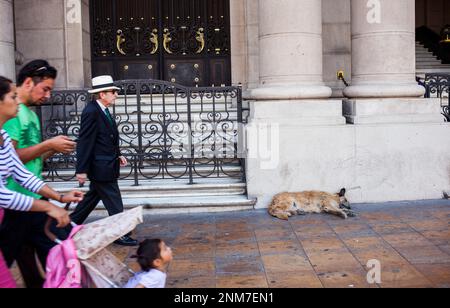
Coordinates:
[63,267]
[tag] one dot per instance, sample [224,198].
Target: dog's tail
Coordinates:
[446,196]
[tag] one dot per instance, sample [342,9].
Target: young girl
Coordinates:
[153,256]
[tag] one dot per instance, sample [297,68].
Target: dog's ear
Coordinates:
[342,192]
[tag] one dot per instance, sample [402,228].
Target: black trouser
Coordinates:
[108,192]
[21,238]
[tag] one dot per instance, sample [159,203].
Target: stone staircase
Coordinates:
[426,62]
[170,195]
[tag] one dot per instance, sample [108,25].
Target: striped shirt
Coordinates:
[11,166]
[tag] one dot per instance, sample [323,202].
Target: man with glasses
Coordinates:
[98,155]
[22,234]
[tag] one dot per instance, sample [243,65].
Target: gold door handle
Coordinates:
[201,39]
[167,40]
[154,41]
[120,40]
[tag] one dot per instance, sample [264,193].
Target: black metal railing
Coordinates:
[437,85]
[166,131]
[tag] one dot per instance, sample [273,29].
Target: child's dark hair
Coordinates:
[148,251]
[38,70]
[5,87]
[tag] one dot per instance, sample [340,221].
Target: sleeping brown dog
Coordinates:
[285,205]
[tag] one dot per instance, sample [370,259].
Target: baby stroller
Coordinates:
[83,259]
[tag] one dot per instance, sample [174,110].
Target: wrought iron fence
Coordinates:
[166,130]
[438,85]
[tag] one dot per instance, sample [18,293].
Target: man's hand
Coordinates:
[82,178]
[73,196]
[123,161]
[61,144]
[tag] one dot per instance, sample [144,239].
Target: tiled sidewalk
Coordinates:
[252,249]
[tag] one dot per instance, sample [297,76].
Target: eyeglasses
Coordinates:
[112,91]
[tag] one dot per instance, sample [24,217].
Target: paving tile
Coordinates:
[441,237]
[274,234]
[191,282]
[238,250]
[438,274]
[298,279]
[280,247]
[188,251]
[239,266]
[406,239]
[386,255]
[325,244]
[235,237]
[392,228]
[194,238]
[350,228]
[430,225]
[285,263]
[356,278]
[252,281]
[192,268]
[358,243]
[333,261]
[312,232]
[402,276]
[424,254]
[445,248]
[379,217]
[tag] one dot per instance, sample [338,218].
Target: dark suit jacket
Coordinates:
[98,148]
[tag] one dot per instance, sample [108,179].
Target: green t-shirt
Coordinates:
[25,129]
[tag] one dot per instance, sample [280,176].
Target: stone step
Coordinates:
[205,204]
[426,57]
[428,63]
[167,187]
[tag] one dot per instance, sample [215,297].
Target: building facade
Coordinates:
[378,137]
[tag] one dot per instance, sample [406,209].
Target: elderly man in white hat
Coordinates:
[98,155]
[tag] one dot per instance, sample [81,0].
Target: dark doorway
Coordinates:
[181,41]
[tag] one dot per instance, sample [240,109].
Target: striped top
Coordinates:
[11,166]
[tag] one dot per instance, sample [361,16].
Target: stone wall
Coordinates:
[57,31]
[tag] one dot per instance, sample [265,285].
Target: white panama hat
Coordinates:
[102,84]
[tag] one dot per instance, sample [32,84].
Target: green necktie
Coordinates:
[109,116]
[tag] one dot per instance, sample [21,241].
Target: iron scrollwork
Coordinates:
[154,41]
[201,39]
[167,40]
[166,131]
[437,85]
[120,40]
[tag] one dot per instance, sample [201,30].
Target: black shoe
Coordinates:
[126,241]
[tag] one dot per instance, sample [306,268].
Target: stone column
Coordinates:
[290,41]
[7,63]
[383,49]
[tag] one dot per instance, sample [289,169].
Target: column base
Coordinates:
[298,112]
[379,111]
[384,90]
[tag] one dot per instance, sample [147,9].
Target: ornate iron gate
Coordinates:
[166,131]
[182,41]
